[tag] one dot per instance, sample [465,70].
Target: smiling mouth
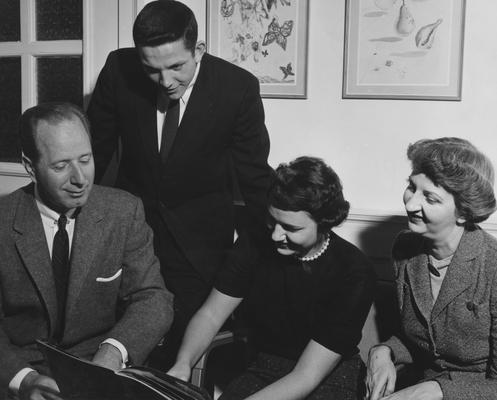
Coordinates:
[77,193]
[169,91]
[414,217]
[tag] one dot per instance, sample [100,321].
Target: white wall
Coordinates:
[366,140]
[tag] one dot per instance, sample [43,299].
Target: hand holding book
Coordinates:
[80,379]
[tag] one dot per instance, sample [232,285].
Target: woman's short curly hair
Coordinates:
[462,170]
[309,184]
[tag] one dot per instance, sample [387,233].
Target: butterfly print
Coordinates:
[227,9]
[288,70]
[278,33]
[271,3]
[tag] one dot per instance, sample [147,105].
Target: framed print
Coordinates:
[403,49]
[266,37]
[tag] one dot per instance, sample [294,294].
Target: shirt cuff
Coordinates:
[118,345]
[15,383]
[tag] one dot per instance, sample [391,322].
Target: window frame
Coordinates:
[100,36]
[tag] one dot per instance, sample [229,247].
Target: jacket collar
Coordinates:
[197,113]
[87,234]
[460,275]
[461,272]
[33,250]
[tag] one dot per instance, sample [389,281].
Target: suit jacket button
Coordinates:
[470,306]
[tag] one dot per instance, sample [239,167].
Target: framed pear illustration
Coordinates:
[404,49]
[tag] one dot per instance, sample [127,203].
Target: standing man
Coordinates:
[77,266]
[188,124]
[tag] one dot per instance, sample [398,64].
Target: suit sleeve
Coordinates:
[103,118]
[250,150]
[146,303]
[12,361]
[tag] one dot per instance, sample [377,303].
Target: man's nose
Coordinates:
[165,79]
[77,176]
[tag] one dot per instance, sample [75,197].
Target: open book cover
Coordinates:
[80,379]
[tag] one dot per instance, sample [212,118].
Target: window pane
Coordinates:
[10,108]
[60,79]
[10,17]
[59,19]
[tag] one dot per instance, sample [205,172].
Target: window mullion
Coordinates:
[28,81]
[27,21]
[56,47]
[28,87]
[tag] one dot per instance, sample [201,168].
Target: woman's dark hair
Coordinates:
[462,170]
[165,21]
[308,184]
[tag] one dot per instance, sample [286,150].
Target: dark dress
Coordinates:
[289,302]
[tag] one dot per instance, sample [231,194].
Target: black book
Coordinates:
[80,379]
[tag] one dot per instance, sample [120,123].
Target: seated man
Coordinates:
[77,263]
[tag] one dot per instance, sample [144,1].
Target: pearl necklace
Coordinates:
[319,253]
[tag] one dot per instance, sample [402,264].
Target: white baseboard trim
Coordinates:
[13,169]
[397,217]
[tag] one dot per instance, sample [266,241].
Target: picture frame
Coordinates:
[403,49]
[267,38]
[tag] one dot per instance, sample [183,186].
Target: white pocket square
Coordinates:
[111,278]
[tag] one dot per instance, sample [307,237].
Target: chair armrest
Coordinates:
[198,371]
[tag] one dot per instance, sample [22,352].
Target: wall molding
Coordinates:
[397,217]
[13,169]
[393,216]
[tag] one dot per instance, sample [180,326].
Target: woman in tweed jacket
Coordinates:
[446,271]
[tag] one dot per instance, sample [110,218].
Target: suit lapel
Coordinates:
[417,270]
[32,246]
[87,235]
[146,114]
[460,274]
[199,110]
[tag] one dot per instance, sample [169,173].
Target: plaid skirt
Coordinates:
[345,382]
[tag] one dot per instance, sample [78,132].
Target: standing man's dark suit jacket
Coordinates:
[115,288]
[188,198]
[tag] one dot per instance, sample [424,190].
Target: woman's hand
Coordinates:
[430,390]
[381,373]
[181,371]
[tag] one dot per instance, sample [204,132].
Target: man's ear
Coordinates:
[200,49]
[28,165]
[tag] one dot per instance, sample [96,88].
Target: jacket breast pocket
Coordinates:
[110,278]
[466,326]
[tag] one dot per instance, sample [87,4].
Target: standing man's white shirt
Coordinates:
[183,102]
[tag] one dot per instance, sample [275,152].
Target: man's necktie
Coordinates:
[60,266]
[433,270]
[169,128]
